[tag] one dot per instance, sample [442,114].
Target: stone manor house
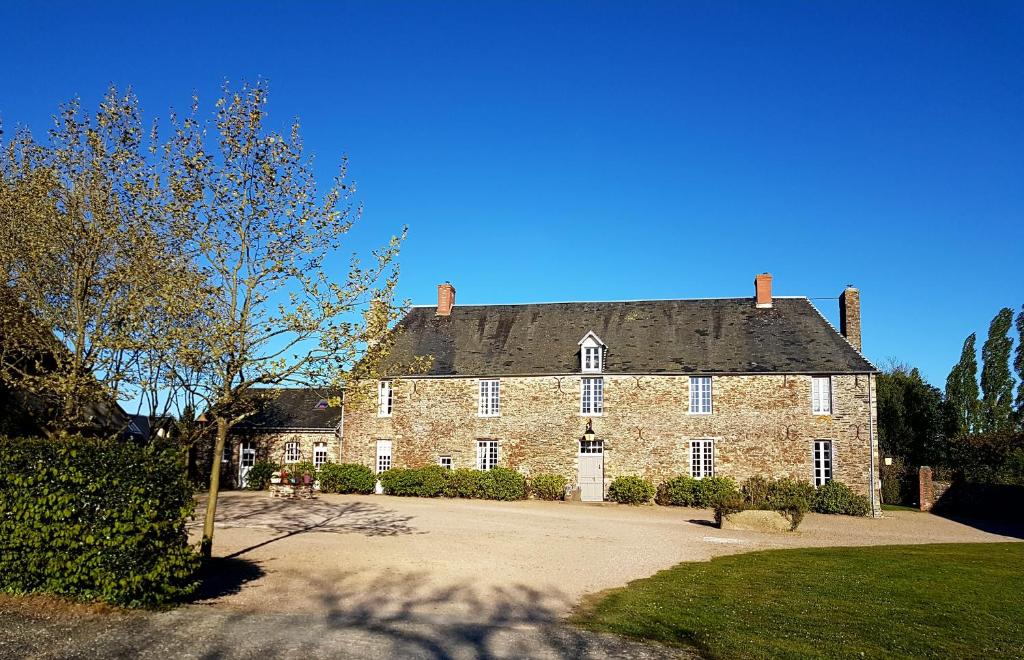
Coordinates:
[760,385]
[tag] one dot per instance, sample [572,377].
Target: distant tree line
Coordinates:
[972,431]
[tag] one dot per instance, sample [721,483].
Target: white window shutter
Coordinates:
[832,447]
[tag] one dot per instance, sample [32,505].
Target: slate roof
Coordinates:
[294,408]
[724,335]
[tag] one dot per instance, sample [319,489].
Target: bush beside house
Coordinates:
[631,490]
[435,481]
[95,520]
[346,478]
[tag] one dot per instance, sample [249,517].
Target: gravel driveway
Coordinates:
[351,576]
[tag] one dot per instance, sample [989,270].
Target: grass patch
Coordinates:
[963,600]
[899,507]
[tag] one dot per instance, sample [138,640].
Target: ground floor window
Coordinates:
[822,462]
[702,458]
[445,462]
[226,456]
[591,446]
[486,454]
[319,454]
[383,456]
[291,452]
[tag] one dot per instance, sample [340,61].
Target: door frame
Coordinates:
[245,448]
[580,456]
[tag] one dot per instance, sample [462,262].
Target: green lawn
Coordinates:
[964,600]
[899,507]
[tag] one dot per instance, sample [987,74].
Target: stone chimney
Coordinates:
[763,290]
[445,298]
[849,315]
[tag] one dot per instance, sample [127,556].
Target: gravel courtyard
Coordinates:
[355,576]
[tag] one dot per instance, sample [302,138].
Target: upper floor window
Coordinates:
[821,395]
[591,354]
[489,399]
[291,452]
[591,396]
[822,462]
[384,399]
[702,458]
[486,454]
[700,395]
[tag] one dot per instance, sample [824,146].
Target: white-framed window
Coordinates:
[385,399]
[383,456]
[821,395]
[225,457]
[702,458]
[591,396]
[591,446]
[591,354]
[291,452]
[445,462]
[489,405]
[319,454]
[700,395]
[823,460]
[486,454]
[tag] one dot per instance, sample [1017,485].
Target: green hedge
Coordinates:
[95,520]
[630,490]
[434,481]
[836,497]
[548,486]
[346,478]
[703,493]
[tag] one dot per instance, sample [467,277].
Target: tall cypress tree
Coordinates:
[1018,365]
[962,391]
[996,381]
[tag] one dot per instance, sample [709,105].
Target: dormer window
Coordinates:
[591,354]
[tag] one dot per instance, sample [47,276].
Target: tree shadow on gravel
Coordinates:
[225,576]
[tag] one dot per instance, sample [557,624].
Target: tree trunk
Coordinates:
[206,548]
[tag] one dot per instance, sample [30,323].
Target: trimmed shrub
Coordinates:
[258,476]
[790,497]
[504,484]
[728,504]
[401,481]
[687,491]
[433,480]
[836,497]
[678,491]
[95,520]
[548,486]
[464,482]
[630,490]
[346,478]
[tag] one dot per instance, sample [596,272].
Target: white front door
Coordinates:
[592,470]
[246,459]
[383,461]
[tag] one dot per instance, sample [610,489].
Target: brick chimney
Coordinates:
[849,315]
[445,298]
[763,290]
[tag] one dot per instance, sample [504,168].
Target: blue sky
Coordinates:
[601,151]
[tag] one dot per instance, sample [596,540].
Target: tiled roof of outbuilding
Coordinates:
[724,335]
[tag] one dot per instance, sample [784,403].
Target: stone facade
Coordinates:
[270,446]
[761,425]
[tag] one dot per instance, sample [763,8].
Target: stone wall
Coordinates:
[270,447]
[762,425]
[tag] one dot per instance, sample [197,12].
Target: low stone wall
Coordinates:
[753,520]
